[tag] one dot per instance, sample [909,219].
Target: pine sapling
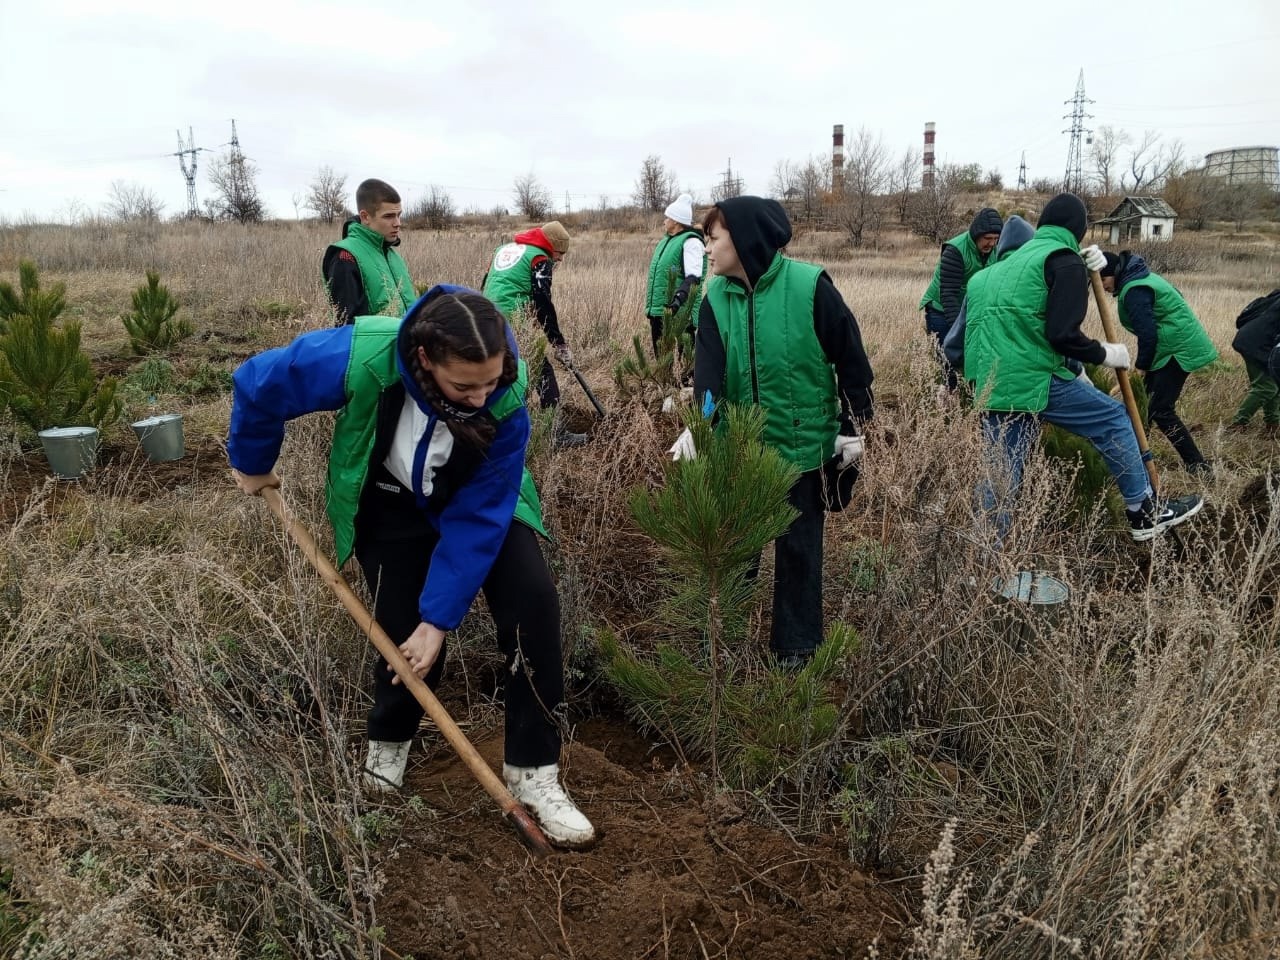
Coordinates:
[29,300]
[152,326]
[46,380]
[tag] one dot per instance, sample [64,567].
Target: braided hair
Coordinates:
[460,326]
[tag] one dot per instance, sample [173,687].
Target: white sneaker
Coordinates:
[539,789]
[384,767]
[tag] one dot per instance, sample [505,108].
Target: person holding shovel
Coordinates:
[775,332]
[427,488]
[1023,349]
[363,273]
[1171,344]
[519,282]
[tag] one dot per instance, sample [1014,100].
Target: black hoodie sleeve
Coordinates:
[1140,308]
[837,331]
[950,281]
[1066,306]
[544,311]
[708,356]
[346,289]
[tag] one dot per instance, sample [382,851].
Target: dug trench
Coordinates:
[676,872]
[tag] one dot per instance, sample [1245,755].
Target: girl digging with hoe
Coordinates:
[426,475]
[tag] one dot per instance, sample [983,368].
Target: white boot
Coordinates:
[539,789]
[384,767]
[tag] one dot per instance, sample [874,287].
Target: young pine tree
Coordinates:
[673,365]
[704,688]
[151,326]
[29,300]
[46,380]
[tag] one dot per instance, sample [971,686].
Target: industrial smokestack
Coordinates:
[926,175]
[837,158]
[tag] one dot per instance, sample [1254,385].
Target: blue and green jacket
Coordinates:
[347,369]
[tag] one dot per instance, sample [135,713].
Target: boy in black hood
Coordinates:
[776,333]
[1171,344]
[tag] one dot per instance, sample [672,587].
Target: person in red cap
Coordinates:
[519,283]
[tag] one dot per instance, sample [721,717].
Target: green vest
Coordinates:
[371,369]
[510,281]
[773,358]
[973,262]
[1179,335]
[668,260]
[382,271]
[1006,352]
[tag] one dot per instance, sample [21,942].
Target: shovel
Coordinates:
[582,382]
[520,818]
[1122,377]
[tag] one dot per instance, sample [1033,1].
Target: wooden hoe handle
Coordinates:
[1122,376]
[529,831]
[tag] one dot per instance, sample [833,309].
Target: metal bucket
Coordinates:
[161,437]
[1033,602]
[71,451]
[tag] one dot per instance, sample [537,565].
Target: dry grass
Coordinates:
[181,701]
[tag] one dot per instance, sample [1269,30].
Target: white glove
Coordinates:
[683,448]
[848,449]
[1094,258]
[563,353]
[1117,357]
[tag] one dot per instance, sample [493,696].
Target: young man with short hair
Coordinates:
[364,275]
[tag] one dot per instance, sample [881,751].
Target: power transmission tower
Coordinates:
[237,156]
[730,186]
[1022,172]
[189,149]
[1073,182]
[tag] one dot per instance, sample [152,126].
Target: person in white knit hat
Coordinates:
[682,255]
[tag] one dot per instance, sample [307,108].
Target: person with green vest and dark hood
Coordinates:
[1257,334]
[1024,349]
[680,256]
[363,273]
[1171,344]
[427,488]
[519,282]
[776,333]
[962,256]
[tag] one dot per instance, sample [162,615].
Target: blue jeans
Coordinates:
[1078,407]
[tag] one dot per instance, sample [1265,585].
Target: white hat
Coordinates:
[681,209]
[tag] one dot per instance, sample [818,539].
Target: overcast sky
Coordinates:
[469,95]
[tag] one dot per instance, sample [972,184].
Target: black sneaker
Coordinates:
[1153,517]
[1201,468]
[792,661]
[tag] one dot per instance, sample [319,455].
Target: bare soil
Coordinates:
[674,873]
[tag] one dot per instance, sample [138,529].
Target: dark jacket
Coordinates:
[1068,281]
[759,229]
[951,267]
[1258,329]
[1015,233]
[1139,306]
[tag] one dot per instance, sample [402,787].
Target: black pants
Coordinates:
[548,387]
[1164,387]
[797,573]
[526,613]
